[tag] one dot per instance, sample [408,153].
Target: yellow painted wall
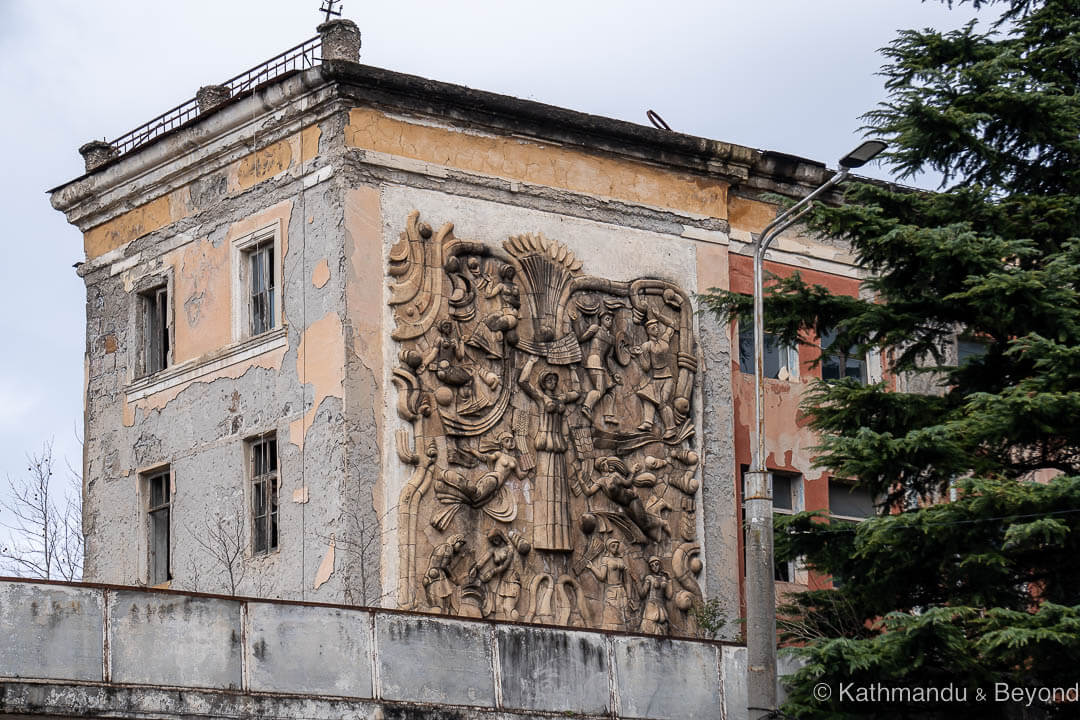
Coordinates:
[538,163]
[284,156]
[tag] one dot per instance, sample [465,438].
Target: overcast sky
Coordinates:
[786,75]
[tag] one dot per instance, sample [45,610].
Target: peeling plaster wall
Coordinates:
[221,389]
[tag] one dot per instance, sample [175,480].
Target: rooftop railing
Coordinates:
[300,57]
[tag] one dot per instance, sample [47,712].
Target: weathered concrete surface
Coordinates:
[437,661]
[26,699]
[314,650]
[545,669]
[49,631]
[661,679]
[733,680]
[178,655]
[177,640]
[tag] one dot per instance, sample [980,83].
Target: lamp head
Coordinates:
[862,154]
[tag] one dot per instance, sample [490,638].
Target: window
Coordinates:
[155,329]
[257,283]
[848,505]
[787,491]
[966,350]
[781,361]
[261,287]
[787,500]
[836,364]
[263,464]
[848,502]
[159,496]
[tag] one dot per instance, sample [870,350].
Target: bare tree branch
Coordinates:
[223,541]
[46,539]
[362,541]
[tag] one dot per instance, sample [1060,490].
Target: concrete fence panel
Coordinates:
[424,659]
[51,632]
[174,640]
[308,650]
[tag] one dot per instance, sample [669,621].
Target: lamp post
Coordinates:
[760,580]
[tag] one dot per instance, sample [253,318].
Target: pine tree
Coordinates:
[980,593]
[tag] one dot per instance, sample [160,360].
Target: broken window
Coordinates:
[159,493]
[787,491]
[261,287]
[155,329]
[263,464]
[780,361]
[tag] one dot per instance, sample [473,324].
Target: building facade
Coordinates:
[360,337]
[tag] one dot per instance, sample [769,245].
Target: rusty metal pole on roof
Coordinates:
[761,688]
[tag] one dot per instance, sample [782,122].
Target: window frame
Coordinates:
[243,249]
[267,487]
[153,513]
[965,349]
[145,291]
[795,571]
[847,518]
[843,357]
[787,355]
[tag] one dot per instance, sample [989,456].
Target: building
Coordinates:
[363,338]
[263,417]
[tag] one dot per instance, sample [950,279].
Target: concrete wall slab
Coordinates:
[309,650]
[666,679]
[554,670]
[429,660]
[733,678]
[165,639]
[50,632]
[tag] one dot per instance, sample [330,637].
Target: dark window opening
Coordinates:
[261,286]
[787,500]
[155,330]
[158,509]
[966,350]
[850,502]
[264,496]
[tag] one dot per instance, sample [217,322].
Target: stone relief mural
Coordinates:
[553,472]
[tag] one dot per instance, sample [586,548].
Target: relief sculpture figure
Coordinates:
[496,571]
[657,360]
[656,591]
[612,570]
[438,582]
[547,439]
[598,359]
[551,513]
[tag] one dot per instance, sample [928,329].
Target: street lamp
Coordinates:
[760,580]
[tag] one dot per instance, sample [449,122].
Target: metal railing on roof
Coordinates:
[301,57]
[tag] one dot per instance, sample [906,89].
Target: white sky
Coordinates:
[785,75]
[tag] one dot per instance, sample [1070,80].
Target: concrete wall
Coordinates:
[79,650]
